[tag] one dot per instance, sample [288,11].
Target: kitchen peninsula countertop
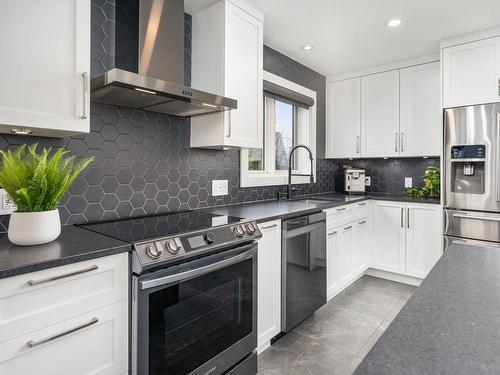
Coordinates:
[73,245]
[451,324]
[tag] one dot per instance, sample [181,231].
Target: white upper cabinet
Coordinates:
[343,129]
[380,114]
[471,73]
[423,238]
[227,58]
[45,66]
[389,114]
[421,113]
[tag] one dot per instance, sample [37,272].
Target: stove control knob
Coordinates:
[239,231]
[209,238]
[250,227]
[153,251]
[172,247]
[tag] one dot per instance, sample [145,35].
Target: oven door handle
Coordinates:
[148,284]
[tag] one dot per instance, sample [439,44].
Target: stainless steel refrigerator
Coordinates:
[472,175]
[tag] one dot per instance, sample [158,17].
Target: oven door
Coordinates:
[199,317]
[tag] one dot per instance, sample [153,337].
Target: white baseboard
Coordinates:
[263,347]
[393,276]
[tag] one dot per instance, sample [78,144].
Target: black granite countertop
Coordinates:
[451,324]
[73,245]
[272,210]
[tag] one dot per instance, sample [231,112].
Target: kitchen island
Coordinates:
[451,325]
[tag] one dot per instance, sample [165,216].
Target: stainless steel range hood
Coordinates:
[159,84]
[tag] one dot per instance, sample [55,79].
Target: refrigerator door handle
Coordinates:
[497,155]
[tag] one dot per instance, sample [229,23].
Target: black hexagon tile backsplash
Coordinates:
[143,164]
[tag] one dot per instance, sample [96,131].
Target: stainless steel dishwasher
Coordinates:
[303,268]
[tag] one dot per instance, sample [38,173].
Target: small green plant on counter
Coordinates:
[36,182]
[432,184]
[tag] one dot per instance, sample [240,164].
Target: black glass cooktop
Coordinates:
[151,227]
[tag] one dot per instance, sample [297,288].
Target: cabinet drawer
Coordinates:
[36,300]
[92,343]
[360,210]
[339,216]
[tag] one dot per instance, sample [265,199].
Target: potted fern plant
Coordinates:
[36,182]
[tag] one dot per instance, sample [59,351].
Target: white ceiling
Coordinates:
[348,35]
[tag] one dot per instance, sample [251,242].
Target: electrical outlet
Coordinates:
[7,204]
[368,181]
[408,182]
[219,187]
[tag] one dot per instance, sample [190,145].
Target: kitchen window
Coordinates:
[289,120]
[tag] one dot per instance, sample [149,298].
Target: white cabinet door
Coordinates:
[44,66]
[380,114]
[343,126]
[227,59]
[388,249]
[423,238]
[344,255]
[244,37]
[269,282]
[421,113]
[92,343]
[471,73]
[360,255]
[332,275]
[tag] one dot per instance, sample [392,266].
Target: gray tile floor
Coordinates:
[338,336]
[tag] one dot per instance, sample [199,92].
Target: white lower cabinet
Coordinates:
[344,254]
[393,237]
[347,252]
[97,345]
[423,238]
[406,237]
[388,236]
[360,254]
[269,283]
[68,319]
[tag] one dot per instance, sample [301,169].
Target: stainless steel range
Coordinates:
[194,292]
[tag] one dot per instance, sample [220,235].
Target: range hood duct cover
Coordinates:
[158,86]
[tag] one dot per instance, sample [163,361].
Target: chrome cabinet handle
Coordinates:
[499,87]
[402,217]
[357,144]
[63,276]
[347,228]
[362,222]
[472,217]
[362,204]
[402,142]
[396,142]
[229,125]
[332,233]
[341,209]
[32,344]
[269,226]
[85,86]
[408,218]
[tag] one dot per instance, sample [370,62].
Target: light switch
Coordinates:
[408,182]
[368,181]
[219,187]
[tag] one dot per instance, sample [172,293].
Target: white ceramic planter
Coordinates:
[34,228]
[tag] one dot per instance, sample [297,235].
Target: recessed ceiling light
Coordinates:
[394,22]
[307,47]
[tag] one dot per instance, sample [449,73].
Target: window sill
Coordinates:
[265,179]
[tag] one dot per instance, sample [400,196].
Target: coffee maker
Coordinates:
[353,180]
